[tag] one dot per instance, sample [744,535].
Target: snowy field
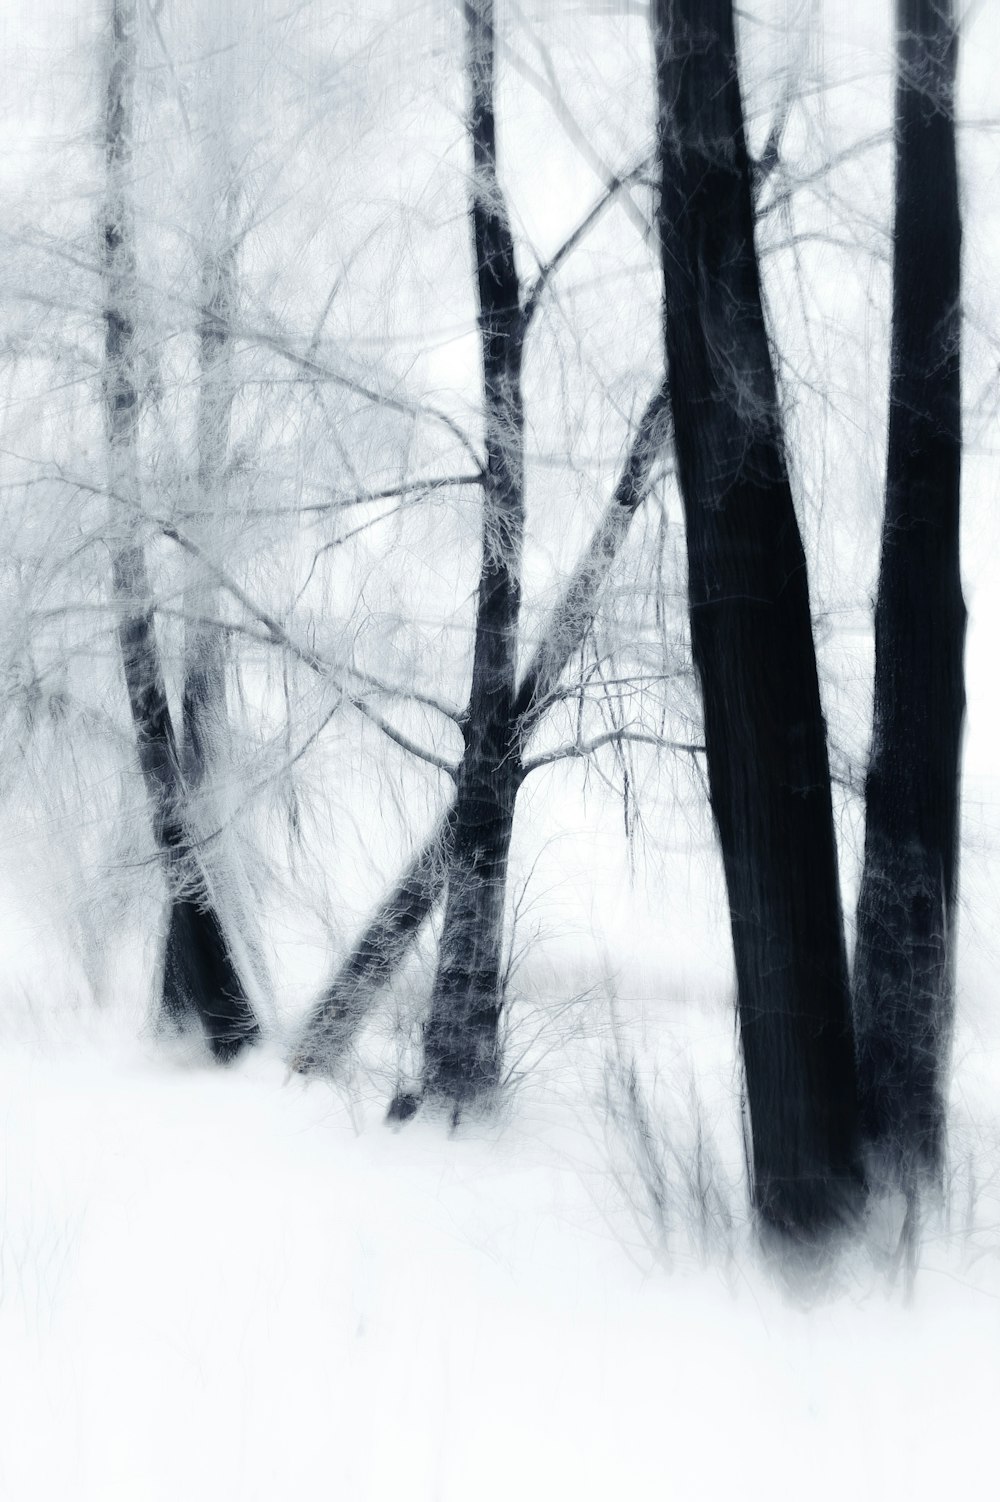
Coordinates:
[234,1286]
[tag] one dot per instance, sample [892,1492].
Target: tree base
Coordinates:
[200,981]
[462,1054]
[810,1212]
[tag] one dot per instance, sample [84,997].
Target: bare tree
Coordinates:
[904,962]
[752,638]
[207,733]
[468,850]
[199,976]
[460,1042]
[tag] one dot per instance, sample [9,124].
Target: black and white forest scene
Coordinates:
[499,750]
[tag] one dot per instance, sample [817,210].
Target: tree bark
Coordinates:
[752,641]
[903,976]
[199,978]
[461,1055]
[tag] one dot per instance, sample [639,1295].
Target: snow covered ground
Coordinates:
[226,1285]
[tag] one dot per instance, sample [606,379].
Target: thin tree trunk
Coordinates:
[206,734]
[206,720]
[904,961]
[199,977]
[752,641]
[460,1041]
[207,747]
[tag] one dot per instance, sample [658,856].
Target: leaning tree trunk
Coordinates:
[199,977]
[461,1054]
[386,939]
[752,641]
[906,910]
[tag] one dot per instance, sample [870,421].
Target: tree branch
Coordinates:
[609,738]
[276,634]
[320,372]
[449,711]
[307,655]
[548,270]
[392,492]
[546,84]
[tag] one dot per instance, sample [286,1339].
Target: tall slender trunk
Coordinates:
[386,938]
[461,1038]
[752,641]
[216,196]
[206,721]
[207,741]
[903,977]
[199,976]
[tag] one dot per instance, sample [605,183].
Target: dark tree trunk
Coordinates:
[752,641]
[906,910]
[199,977]
[461,1039]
